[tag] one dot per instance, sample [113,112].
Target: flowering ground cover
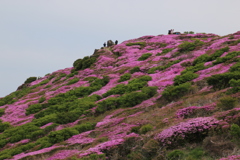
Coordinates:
[153,97]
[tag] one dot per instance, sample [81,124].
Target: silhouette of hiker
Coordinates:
[169,31]
[116,42]
[104,44]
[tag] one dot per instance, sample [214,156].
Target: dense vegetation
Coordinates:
[155,97]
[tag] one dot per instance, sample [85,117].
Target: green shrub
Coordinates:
[118,89]
[235,84]
[235,67]
[44,82]
[174,155]
[218,53]
[189,46]
[34,108]
[72,81]
[220,81]
[67,117]
[201,59]
[145,128]
[235,131]
[144,56]
[150,91]
[197,67]
[226,58]
[90,79]
[61,135]
[30,79]
[135,69]
[2,111]
[45,120]
[160,68]
[84,127]
[84,63]
[227,102]
[4,126]
[42,99]
[141,44]
[125,77]
[196,153]
[135,156]
[174,92]
[20,132]
[107,104]
[133,85]
[131,99]
[188,76]
[135,129]
[164,51]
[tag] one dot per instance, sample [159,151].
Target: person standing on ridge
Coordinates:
[116,42]
[104,44]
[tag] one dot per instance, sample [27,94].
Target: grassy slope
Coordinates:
[146,98]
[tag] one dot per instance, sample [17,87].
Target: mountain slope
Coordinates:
[154,97]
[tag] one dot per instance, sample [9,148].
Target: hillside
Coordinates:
[150,98]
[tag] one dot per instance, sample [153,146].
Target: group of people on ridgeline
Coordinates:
[109,43]
[171,31]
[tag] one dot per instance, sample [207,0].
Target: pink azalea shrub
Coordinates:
[234,157]
[182,130]
[185,112]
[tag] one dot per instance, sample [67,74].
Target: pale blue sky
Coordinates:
[41,36]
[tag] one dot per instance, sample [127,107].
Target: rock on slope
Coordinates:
[154,97]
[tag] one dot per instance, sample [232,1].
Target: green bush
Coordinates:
[133,85]
[84,127]
[72,81]
[135,69]
[235,84]
[4,126]
[44,82]
[189,46]
[34,108]
[144,56]
[229,56]
[145,128]
[125,77]
[201,59]
[197,67]
[61,135]
[221,81]
[131,99]
[227,103]
[107,104]
[187,76]
[174,155]
[196,153]
[135,129]
[118,89]
[141,44]
[160,68]
[235,67]
[164,51]
[86,62]
[174,92]
[218,53]
[235,131]
[45,120]
[2,111]
[30,79]
[67,117]
[42,99]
